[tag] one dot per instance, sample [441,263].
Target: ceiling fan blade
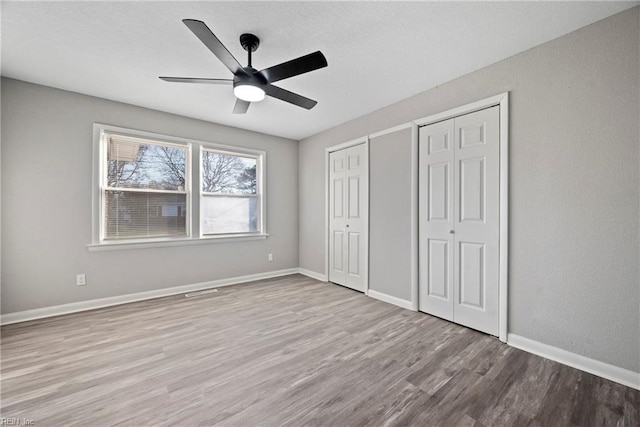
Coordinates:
[197,80]
[290,97]
[209,39]
[241,106]
[304,64]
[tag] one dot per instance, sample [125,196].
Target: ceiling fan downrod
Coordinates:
[249,43]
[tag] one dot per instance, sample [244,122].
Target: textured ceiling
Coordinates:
[378,52]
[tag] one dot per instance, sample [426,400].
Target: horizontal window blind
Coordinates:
[144,188]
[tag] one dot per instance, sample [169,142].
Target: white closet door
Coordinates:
[477,226]
[348,204]
[436,219]
[459,219]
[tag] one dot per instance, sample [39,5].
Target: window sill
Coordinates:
[161,243]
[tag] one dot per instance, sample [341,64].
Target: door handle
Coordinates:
[451,232]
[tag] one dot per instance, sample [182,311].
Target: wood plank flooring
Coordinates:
[288,351]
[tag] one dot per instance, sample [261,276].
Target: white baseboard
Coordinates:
[391,300]
[595,367]
[74,307]
[312,274]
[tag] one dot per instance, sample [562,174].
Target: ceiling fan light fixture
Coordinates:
[248,92]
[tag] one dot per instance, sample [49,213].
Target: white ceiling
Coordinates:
[378,52]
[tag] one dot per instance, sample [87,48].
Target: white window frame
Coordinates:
[258,156]
[104,187]
[193,181]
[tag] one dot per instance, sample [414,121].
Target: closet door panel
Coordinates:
[477,231]
[436,220]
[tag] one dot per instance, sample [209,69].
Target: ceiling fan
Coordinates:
[249,84]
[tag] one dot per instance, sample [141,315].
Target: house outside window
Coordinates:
[156,188]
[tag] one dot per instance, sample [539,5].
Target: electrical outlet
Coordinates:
[270,257]
[81,279]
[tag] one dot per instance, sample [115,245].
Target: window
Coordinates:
[230,198]
[143,189]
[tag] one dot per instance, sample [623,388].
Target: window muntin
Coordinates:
[144,188]
[231,200]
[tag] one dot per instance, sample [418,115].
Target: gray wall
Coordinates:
[46,203]
[574,279]
[390,214]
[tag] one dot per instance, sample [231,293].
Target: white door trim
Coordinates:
[501,100]
[391,130]
[415,241]
[365,217]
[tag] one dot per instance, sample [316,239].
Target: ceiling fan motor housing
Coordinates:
[251,76]
[249,85]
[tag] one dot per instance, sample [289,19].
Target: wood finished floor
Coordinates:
[287,351]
